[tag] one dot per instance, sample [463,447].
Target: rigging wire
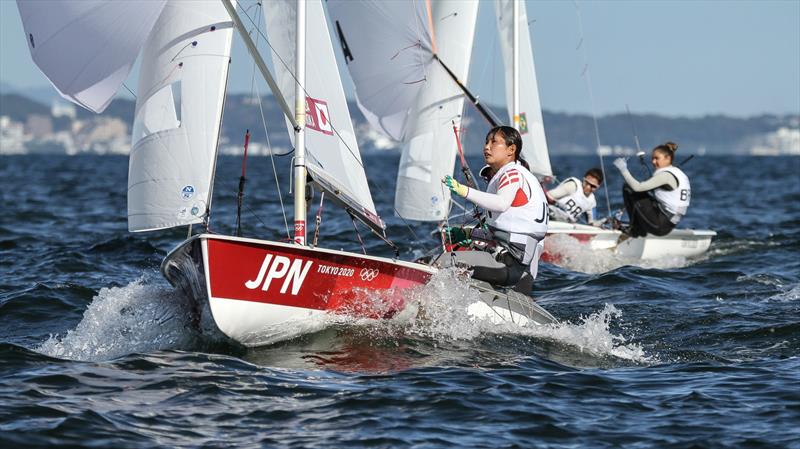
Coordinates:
[587,78]
[254,90]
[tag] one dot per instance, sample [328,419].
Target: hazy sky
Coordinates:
[676,58]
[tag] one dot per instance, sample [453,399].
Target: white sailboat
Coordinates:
[257,291]
[526,114]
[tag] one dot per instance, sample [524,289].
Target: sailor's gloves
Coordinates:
[456,234]
[621,164]
[455,186]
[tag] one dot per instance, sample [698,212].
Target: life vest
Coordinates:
[577,203]
[674,202]
[528,212]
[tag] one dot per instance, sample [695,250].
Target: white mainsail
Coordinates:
[333,158]
[182,82]
[87,48]
[534,143]
[405,92]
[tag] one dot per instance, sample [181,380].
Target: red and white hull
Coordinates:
[260,292]
[678,243]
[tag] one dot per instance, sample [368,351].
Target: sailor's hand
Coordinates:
[455,234]
[455,186]
[621,164]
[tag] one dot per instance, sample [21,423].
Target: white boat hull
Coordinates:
[261,292]
[678,243]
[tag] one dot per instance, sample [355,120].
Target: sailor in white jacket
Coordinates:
[574,198]
[514,202]
[657,204]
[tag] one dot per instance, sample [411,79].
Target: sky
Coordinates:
[673,58]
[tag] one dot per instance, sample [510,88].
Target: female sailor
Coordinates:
[515,206]
[656,205]
[573,198]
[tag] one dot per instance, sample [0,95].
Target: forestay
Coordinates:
[87,48]
[181,94]
[405,92]
[333,158]
[534,143]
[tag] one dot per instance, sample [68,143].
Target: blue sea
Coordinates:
[98,350]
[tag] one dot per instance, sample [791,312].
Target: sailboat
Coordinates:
[438,42]
[256,291]
[522,78]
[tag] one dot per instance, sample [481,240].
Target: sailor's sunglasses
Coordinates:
[593,186]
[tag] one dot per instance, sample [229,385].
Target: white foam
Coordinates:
[143,316]
[790,294]
[444,303]
[577,256]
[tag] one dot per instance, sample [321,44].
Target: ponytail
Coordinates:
[668,148]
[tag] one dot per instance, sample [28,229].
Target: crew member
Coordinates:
[656,205]
[515,206]
[573,198]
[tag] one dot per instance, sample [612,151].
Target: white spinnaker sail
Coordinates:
[87,48]
[534,143]
[333,157]
[182,82]
[401,87]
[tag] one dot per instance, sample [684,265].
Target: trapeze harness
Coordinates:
[572,206]
[522,227]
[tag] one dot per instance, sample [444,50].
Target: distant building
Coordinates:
[784,141]
[12,136]
[39,126]
[61,109]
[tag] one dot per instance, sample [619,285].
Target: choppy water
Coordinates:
[97,350]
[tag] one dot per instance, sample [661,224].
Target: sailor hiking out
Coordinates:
[657,204]
[516,213]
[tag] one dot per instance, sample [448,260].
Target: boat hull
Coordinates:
[678,243]
[260,292]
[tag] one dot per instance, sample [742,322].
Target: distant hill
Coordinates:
[566,133]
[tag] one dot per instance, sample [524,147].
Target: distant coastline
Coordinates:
[31,126]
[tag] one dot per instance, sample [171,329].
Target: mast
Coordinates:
[515,64]
[299,130]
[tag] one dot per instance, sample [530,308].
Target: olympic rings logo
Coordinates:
[368,274]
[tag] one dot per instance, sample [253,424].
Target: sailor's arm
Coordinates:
[567,187]
[499,202]
[655,181]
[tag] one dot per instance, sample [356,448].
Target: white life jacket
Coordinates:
[528,212]
[577,203]
[674,202]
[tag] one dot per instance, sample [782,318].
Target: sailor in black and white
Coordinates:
[657,204]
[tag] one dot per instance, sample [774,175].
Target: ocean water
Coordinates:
[96,349]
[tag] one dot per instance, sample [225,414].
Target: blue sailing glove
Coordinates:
[455,186]
[621,164]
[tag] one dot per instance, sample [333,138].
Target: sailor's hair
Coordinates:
[668,148]
[512,137]
[596,173]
